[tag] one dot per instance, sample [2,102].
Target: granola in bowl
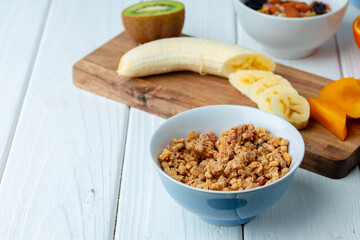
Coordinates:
[242,158]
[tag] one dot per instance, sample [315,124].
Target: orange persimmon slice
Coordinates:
[356,31]
[345,92]
[330,115]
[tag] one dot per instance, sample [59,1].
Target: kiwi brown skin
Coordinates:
[144,29]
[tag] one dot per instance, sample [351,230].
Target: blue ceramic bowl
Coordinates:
[225,208]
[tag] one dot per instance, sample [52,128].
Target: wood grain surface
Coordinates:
[168,94]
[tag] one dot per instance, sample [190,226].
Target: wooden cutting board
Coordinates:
[168,94]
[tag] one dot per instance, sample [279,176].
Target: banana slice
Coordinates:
[292,107]
[264,101]
[191,54]
[242,80]
[260,86]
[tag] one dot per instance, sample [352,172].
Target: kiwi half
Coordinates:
[148,21]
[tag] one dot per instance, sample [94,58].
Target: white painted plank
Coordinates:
[349,52]
[212,19]
[314,207]
[145,209]
[21,26]
[324,61]
[62,176]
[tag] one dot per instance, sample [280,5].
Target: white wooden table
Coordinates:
[74,165]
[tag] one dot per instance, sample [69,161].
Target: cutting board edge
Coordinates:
[337,168]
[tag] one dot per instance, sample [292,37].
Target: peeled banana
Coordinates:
[190,54]
[260,86]
[265,98]
[292,107]
[242,80]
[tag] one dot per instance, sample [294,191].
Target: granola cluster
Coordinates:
[242,158]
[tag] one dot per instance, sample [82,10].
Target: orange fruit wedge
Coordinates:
[330,115]
[346,93]
[356,30]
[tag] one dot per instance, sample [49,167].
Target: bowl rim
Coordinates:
[216,192]
[346,3]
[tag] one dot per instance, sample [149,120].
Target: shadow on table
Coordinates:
[306,205]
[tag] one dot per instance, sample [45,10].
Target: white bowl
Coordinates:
[291,38]
[225,208]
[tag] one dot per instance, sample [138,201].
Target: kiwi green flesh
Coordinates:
[153,8]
